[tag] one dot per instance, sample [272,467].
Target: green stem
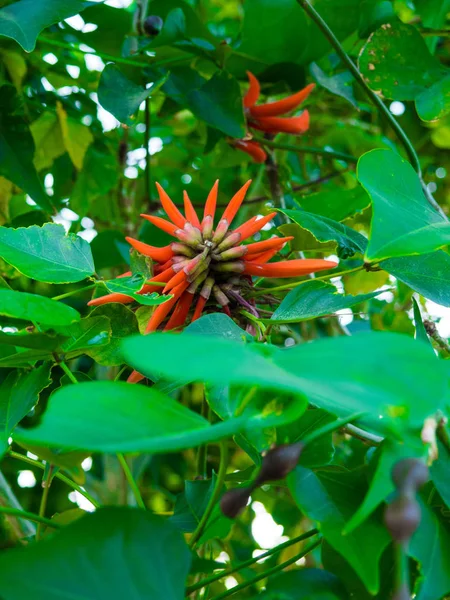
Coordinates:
[376,100]
[329,427]
[68,372]
[202,451]
[289,286]
[131,481]
[269,572]
[148,180]
[249,562]
[305,149]
[42,508]
[73,292]
[58,475]
[401,572]
[19,527]
[214,496]
[362,434]
[24,514]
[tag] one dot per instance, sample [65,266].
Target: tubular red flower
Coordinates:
[122,298]
[158,254]
[289,268]
[166,226]
[181,311]
[171,210]
[274,242]
[253,149]
[163,310]
[252,95]
[199,308]
[281,107]
[189,210]
[235,203]
[295,125]
[253,225]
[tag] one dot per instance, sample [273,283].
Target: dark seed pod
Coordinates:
[410,474]
[153,25]
[279,462]
[234,501]
[402,518]
[122,152]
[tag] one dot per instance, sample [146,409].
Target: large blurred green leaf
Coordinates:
[24,20]
[114,417]
[47,253]
[403,221]
[19,392]
[434,102]
[31,307]
[112,553]
[304,584]
[396,62]
[314,299]
[331,498]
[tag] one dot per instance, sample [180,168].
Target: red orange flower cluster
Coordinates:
[266,117]
[209,263]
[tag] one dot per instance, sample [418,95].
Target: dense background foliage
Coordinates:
[97,102]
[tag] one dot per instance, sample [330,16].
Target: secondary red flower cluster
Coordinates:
[208,263]
[266,117]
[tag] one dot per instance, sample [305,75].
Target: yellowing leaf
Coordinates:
[48,140]
[5,195]
[15,65]
[76,137]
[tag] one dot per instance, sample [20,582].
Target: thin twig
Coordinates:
[131,481]
[306,149]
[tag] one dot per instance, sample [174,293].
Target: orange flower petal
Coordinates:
[253,225]
[163,310]
[189,211]
[275,242]
[211,201]
[161,255]
[122,298]
[171,210]
[135,377]
[294,125]
[253,149]
[181,312]
[273,109]
[263,257]
[199,308]
[289,268]
[162,224]
[252,95]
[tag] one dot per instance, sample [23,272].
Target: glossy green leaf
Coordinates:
[421,333]
[86,334]
[428,274]
[330,498]
[439,471]
[35,340]
[104,416]
[128,551]
[122,323]
[434,102]
[47,253]
[403,221]
[30,307]
[131,285]
[340,84]
[314,299]
[396,62]
[96,178]
[120,95]
[349,241]
[337,204]
[19,392]
[430,546]
[24,20]
[304,584]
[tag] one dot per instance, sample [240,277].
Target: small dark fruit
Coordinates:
[153,25]
[402,518]
[122,153]
[410,474]
[234,501]
[279,462]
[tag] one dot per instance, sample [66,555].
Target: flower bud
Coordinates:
[279,462]
[402,518]
[234,501]
[410,474]
[153,25]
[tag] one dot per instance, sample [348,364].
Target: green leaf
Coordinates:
[24,20]
[337,204]
[314,299]
[97,177]
[219,103]
[434,103]
[37,340]
[115,417]
[47,253]
[421,333]
[48,140]
[430,546]
[428,274]
[340,84]
[19,392]
[439,471]
[122,323]
[348,240]
[304,584]
[120,95]
[31,307]
[396,62]
[76,136]
[331,498]
[131,285]
[381,485]
[130,553]
[16,158]
[403,221]
[86,335]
